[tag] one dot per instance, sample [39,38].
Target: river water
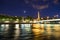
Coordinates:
[29,31]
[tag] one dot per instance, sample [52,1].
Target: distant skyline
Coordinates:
[30,7]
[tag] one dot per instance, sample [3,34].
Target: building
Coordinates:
[38,16]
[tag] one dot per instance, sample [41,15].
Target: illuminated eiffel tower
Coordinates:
[38,16]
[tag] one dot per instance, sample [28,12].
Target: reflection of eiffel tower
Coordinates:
[38,18]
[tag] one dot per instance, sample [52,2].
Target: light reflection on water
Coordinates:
[16,35]
[29,31]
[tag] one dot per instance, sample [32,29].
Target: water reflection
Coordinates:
[25,31]
[2,27]
[48,33]
[29,31]
[6,27]
[17,26]
[17,34]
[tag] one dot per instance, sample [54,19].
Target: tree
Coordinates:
[29,18]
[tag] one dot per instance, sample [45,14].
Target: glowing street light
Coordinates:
[47,17]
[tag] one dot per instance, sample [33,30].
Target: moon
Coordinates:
[24,11]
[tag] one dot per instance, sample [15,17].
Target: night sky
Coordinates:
[30,7]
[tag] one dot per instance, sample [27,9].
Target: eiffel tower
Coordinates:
[38,16]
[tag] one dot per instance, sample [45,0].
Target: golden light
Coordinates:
[42,26]
[48,28]
[36,25]
[36,31]
[57,27]
[34,21]
[6,21]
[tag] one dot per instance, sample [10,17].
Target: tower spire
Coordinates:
[38,16]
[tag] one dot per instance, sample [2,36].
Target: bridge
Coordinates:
[32,22]
[50,20]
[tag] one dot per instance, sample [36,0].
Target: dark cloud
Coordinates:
[40,6]
[37,4]
[55,1]
[26,1]
[35,1]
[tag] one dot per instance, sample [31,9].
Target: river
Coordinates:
[29,31]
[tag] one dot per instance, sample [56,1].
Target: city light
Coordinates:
[16,26]
[6,21]
[29,19]
[6,27]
